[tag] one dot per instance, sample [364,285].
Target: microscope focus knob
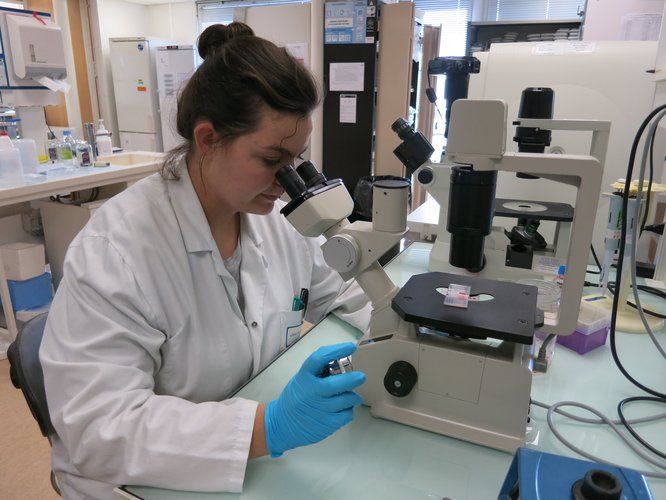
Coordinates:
[425,176]
[400,379]
[341,253]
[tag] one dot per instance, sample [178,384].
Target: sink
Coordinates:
[133,158]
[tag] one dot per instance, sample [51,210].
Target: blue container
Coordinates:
[535,475]
[30,293]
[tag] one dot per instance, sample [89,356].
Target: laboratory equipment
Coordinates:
[11,171]
[591,329]
[175,65]
[424,368]
[457,71]
[103,140]
[537,475]
[32,68]
[589,79]
[628,318]
[135,90]
[89,137]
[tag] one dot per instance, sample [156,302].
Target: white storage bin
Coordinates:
[23,261]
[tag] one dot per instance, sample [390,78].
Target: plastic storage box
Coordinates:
[30,293]
[22,261]
[591,331]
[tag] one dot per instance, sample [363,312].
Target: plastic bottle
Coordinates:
[66,148]
[51,148]
[103,140]
[28,150]
[11,172]
[84,154]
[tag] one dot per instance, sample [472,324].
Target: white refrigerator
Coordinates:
[175,65]
[135,88]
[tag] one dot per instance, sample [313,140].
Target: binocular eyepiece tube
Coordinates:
[297,181]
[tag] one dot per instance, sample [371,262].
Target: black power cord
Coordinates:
[620,262]
[632,431]
[596,261]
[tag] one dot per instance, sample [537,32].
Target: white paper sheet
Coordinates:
[300,51]
[347,108]
[55,85]
[346,77]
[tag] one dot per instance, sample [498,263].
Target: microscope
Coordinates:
[450,353]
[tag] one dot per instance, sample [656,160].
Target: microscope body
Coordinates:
[444,370]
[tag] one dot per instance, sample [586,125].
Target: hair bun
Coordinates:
[217,35]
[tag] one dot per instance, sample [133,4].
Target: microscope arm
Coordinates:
[352,249]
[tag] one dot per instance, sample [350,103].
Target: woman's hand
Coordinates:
[311,408]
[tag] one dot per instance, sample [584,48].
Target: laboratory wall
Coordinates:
[604,18]
[174,21]
[294,25]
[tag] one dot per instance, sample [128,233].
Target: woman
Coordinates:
[181,288]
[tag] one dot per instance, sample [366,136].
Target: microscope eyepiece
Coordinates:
[402,128]
[290,181]
[310,175]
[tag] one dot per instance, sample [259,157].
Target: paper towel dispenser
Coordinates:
[36,47]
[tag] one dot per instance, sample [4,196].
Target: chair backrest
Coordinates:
[26,371]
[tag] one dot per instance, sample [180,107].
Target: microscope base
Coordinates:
[469,390]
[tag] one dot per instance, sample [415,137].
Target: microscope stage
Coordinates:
[510,315]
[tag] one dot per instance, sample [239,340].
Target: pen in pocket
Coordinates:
[297,304]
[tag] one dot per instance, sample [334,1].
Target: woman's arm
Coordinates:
[258,443]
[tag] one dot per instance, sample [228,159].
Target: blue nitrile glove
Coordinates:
[311,408]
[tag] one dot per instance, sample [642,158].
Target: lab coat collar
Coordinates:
[189,213]
[192,219]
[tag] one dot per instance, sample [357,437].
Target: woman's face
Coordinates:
[240,175]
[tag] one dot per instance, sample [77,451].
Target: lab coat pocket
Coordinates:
[290,326]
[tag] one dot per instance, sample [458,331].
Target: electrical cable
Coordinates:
[623,237]
[634,238]
[659,113]
[644,288]
[613,425]
[594,255]
[649,190]
[543,350]
[596,260]
[627,424]
[431,92]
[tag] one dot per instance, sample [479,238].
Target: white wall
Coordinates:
[603,18]
[115,18]
[174,21]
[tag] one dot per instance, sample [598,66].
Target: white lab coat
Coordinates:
[145,340]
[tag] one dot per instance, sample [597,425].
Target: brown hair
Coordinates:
[240,73]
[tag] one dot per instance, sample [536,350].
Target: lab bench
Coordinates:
[374,458]
[124,168]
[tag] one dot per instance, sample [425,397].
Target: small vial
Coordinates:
[52,148]
[84,155]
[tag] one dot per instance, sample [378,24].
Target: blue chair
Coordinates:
[26,374]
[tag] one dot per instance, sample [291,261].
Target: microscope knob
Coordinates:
[341,253]
[400,379]
[425,176]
